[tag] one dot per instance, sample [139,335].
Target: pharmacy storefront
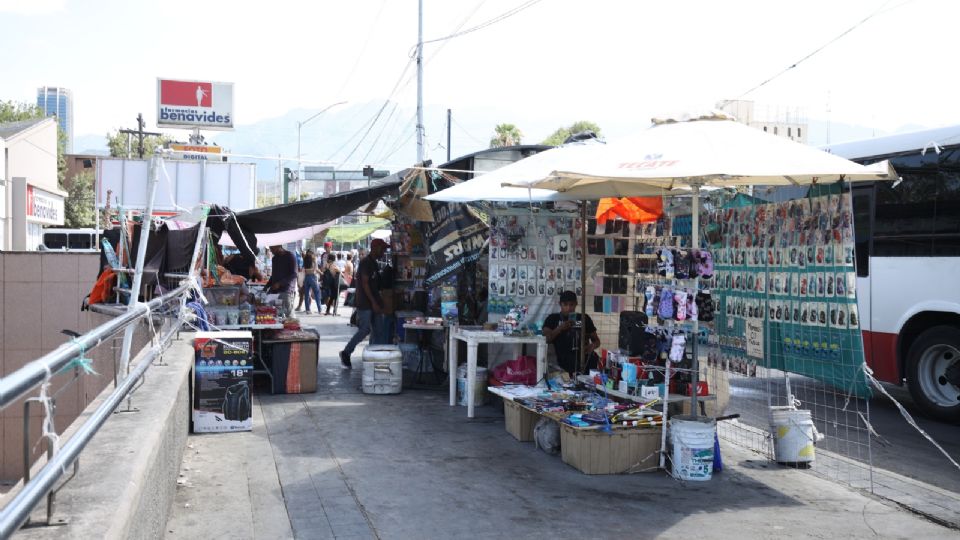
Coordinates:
[33,209]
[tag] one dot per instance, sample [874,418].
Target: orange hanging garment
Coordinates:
[632,209]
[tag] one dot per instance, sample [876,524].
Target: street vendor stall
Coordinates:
[664,273]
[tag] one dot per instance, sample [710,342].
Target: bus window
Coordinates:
[947,220]
[55,240]
[862,227]
[80,241]
[904,216]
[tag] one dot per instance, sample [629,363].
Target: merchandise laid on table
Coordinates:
[593,433]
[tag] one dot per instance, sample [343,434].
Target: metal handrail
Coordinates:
[18,383]
[18,510]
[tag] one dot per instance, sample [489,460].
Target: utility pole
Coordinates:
[420,83]
[140,133]
[449,116]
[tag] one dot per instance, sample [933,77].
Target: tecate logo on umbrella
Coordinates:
[649,164]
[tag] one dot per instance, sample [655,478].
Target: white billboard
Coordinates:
[183,184]
[194,104]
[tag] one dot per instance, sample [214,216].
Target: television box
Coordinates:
[222,381]
[519,420]
[624,450]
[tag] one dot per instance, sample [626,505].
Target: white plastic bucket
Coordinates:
[793,435]
[479,387]
[382,370]
[691,440]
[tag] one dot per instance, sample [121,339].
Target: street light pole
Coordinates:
[299,127]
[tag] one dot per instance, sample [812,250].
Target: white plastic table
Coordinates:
[474,338]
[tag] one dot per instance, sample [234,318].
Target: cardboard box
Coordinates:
[222,382]
[625,450]
[519,420]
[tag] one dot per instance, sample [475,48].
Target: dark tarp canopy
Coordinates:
[170,250]
[299,214]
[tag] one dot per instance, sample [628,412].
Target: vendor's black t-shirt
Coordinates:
[370,268]
[567,344]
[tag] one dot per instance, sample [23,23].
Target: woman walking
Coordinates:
[331,282]
[310,284]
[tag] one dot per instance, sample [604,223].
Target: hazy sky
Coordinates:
[612,60]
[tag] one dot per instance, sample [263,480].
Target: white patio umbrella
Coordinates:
[709,150]
[510,182]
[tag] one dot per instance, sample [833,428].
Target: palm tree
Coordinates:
[505,135]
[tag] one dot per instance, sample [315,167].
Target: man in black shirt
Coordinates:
[283,278]
[369,305]
[564,329]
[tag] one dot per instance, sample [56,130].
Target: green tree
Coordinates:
[78,207]
[505,135]
[12,111]
[561,134]
[120,143]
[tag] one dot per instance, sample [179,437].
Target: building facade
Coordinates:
[29,195]
[58,102]
[786,122]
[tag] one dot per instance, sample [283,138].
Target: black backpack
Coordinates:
[236,402]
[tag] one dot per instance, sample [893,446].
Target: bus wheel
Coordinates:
[933,372]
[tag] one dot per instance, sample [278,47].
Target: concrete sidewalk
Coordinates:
[342,464]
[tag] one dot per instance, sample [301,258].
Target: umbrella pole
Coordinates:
[695,244]
[583,286]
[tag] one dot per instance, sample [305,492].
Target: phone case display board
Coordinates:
[533,258]
[292,357]
[222,381]
[411,263]
[786,279]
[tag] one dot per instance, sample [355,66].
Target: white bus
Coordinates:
[908,265]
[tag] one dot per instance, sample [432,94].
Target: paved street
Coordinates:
[342,464]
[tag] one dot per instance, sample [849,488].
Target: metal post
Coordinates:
[155,164]
[583,286]
[281,180]
[420,83]
[695,244]
[299,164]
[449,118]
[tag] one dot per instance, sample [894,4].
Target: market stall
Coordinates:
[665,282]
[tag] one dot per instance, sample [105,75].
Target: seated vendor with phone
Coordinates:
[564,331]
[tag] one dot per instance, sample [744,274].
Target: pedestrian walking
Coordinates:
[369,305]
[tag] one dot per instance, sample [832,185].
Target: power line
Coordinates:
[822,47]
[383,130]
[398,141]
[410,77]
[379,111]
[463,129]
[498,18]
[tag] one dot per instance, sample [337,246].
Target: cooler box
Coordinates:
[222,381]
[382,369]
[292,357]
